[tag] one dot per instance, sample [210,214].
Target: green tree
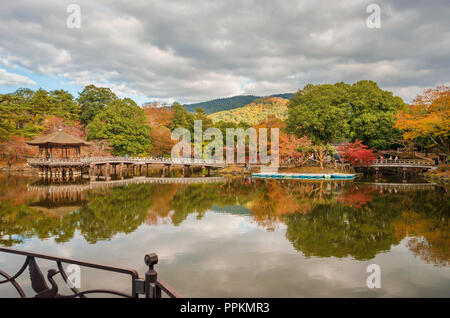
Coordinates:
[340,231]
[201,115]
[123,123]
[92,100]
[333,113]
[16,117]
[181,118]
[320,112]
[7,117]
[373,115]
[41,103]
[65,105]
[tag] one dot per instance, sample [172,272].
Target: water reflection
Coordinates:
[322,219]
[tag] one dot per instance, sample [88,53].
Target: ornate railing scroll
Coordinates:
[150,286]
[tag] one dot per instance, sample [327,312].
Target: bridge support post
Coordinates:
[107,171]
[404,175]
[203,171]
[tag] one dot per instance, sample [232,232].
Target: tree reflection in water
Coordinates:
[325,219]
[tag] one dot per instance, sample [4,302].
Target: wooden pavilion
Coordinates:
[59,145]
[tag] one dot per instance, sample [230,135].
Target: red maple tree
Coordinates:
[357,153]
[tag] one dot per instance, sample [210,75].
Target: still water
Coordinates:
[239,238]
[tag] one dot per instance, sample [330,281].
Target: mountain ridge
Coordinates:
[229,103]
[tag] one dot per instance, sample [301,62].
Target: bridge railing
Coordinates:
[54,160]
[403,162]
[112,159]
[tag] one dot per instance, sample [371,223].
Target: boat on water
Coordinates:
[308,176]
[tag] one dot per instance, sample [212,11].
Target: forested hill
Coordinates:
[221,104]
[255,112]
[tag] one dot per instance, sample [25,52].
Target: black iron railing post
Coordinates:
[151,276]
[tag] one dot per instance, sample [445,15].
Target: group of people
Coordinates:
[390,158]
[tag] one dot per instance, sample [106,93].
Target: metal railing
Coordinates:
[149,286]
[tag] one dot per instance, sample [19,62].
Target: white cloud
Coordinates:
[201,50]
[12,79]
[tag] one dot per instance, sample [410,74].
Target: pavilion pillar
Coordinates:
[92,172]
[121,170]
[203,171]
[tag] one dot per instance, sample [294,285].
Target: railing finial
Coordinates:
[150,260]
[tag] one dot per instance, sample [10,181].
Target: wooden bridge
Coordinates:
[115,165]
[402,163]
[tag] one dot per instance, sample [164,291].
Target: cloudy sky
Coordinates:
[199,50]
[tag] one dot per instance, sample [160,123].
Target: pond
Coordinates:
[240,237]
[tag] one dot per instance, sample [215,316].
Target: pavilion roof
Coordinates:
[58,138]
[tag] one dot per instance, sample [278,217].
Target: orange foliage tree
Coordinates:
[289,144]
[16,150]
[159,119]
[428,117]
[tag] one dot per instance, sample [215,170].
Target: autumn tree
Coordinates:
[357,153]
[427,119]
[159,118]
[289,144]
